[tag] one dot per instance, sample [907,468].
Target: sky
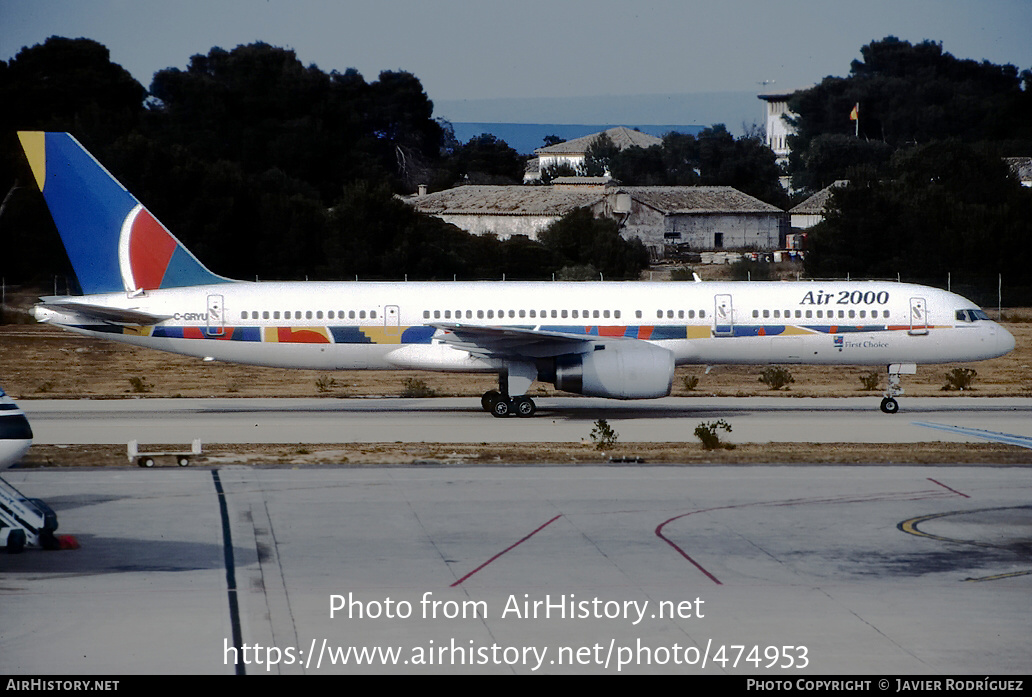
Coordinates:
[468,51]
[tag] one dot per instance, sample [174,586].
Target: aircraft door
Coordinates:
[918,316]
[391,320]
[216,323]
[723,316]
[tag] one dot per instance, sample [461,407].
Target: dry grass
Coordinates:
[685,454]
[43,362]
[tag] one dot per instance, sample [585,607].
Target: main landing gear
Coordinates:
[889,405]
[501,405]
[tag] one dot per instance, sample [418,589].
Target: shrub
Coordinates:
[325,384]
[603,435]
[775,377]
[707,433]
[959,379]
[690,382]
[870,380]
[140,385]
[414,387]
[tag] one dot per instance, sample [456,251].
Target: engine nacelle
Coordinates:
[618,369]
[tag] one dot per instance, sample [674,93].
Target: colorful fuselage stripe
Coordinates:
[378,334]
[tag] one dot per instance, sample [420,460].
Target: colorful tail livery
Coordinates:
[113,242]
[618,340]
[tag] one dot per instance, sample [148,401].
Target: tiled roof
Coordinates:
[1021,166]
[817,204]
[698,199]
[505,200]
[621,136]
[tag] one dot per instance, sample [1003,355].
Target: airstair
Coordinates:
[25,522]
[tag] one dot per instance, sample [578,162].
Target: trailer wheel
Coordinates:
[145,462]
[183,461]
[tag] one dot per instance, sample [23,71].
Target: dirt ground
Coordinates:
[41,362]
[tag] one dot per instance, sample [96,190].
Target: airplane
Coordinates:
[606,339]
[15,432]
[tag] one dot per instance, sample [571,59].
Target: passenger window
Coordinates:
[863,314]
[702,313]
[637,314]
[670,314]
[447,314]
[329,315]
[351,314]
[798,314]
[755,313]
[616,314]
[594,314]
[243,315]
[691,314]
[852,314]
[373,314]
[361,314]
[265,314]
[275,315]
[680,314]
[437,314]
[809,314]
[523,313]
[490,314]
[480,314]
[533,313]
[575,314]
[659,314]
[554,315]
[318,314]
[766,314]
[512,313]
[308,314]
[426,314]
[564,314]
[605,314]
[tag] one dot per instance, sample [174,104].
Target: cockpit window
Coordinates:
[971,315]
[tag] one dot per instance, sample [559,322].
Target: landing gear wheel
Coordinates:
[489,398]
[501,408]
[524,406]
[889,405]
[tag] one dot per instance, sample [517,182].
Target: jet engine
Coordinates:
[617,369]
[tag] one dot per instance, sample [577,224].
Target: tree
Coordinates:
[945,207]
[600,153]
[908,94]
[485,159]
[581,239]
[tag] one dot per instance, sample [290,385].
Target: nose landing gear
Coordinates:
[889,405]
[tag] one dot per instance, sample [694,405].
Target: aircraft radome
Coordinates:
[605,339]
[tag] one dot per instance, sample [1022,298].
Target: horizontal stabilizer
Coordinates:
[108,315]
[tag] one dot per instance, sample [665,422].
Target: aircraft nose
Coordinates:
[1004,340]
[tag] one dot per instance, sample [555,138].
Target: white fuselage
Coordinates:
[390,325]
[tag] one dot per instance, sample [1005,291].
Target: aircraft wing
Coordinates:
[514,342]
[108,315]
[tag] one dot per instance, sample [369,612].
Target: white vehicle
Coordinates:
[620,340]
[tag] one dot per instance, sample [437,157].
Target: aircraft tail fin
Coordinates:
[113,242]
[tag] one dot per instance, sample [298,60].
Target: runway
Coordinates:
[461,420]
[773,571]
